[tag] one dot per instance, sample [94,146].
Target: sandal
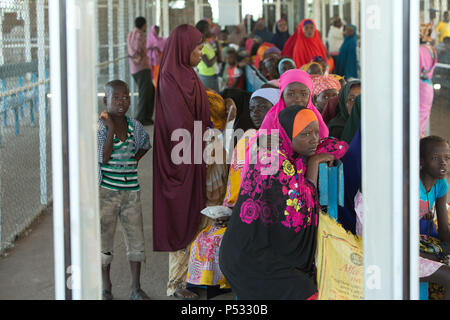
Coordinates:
[179,295]
[139,294]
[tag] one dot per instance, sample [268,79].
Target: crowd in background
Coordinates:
[228,225]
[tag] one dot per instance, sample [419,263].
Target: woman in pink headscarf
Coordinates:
[155,48]
[296,88]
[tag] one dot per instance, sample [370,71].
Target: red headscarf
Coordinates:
[179,192]
[301,49]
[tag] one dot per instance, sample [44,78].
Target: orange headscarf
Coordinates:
[260,53]
[302,120]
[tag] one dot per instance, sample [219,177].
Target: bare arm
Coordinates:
[140,154]
[109,143]
[208,62]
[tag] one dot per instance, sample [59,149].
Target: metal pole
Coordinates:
[426,11]
[383,169]
[277,10]
[111,38]
[82,101]
[2,58]
[60,161]
[165,18]
[40,11]
[27,30]
[131,18]
[158,13]
[122,39]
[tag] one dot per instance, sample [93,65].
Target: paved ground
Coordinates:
[27,271]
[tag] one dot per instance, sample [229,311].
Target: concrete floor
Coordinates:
[26,272]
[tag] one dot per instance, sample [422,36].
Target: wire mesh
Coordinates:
[25,135]
[25,168]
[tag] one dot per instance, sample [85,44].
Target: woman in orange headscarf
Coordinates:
[305,44]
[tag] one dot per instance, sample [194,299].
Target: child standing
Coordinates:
[434,158]
[122,142]
[234,74]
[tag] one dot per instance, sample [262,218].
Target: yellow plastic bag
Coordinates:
[339,261]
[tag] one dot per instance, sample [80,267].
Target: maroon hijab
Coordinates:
[179,191]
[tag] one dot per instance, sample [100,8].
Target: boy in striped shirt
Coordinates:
[122,142]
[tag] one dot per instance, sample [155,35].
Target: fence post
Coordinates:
[111,39]
[40,11]
[27,30]
[122,40]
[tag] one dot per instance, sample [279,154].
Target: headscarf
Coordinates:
[306,67]
[301,49]
[290,76]
[241,99]
[347,62]
[284,60]
[264,34]
[260,53]
[249,44]
[154,41]
[217,110]
[271,95]
[337,124]
[180,100]
[322,83]
[294,120]
[280,38]
[354,122]
[271,50]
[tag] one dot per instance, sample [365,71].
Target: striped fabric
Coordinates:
[120,173]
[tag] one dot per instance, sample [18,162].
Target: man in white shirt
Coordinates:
[335,37]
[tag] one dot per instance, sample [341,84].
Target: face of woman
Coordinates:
[323,97]
[258,109]
[349,31]
[308,30]
[196,55]
[282,26]
[354,92]
[286,65]
[296,94]
[306,142]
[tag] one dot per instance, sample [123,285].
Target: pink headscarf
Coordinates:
[154,41]
[291,76]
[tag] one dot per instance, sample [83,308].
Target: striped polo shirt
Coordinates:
[120,173]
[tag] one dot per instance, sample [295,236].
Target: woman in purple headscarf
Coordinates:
[179,187]
[155,47]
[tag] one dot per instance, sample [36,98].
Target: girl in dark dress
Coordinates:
[268,249]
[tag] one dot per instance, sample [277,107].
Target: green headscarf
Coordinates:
[353,123]
[337,124]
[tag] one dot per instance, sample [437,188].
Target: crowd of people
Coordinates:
[242,214]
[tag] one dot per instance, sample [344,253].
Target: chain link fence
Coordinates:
[25,161]
[25,135]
